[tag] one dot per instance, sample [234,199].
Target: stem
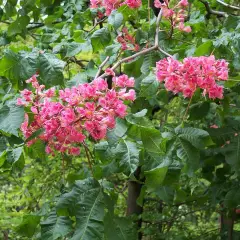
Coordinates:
[63,168]
[185,114]
[211,11]
[88,157]
[101,66]
[143,52]
[228,5]
[149,12]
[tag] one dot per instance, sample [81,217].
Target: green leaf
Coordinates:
[28,225]
[73,49]
[199,110]
[232,152]
[100,39]
[194,136]
[204,49]
[51,69]
[189,154]
[152,140]
[155,177]
[19,25]
[128,156]
[118,132]
[37,150]
[15,154]
[119,228]
[115,19]
[79,78]
[134,68]
[11,118]
[232,198]
[85,203]
[55,227]
[139,120]
[149,86]
[35,134]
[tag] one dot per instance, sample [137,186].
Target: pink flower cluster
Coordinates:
[176,14]
[69,116]
[192,73]
[127,41]
[111,5]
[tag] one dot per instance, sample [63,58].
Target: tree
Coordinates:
[128,124]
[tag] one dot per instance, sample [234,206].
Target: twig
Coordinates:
[228,5]
[185,114]
[144,51]
[149,11]
[101,66]
[159,18]
[95,25]
[88,157]
[211,11]
[165,53]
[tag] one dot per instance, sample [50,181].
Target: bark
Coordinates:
[227,224]
[134,190]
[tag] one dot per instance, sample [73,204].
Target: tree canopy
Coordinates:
[119,119]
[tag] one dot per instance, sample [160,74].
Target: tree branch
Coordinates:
[228,5]
[101,66]
[144,51]
[211,11]
[32,26]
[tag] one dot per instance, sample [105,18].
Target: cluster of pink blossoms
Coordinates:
[111,5]
[67,117]
[127,41]
[176,15]
[192,73]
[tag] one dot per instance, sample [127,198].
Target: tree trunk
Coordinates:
[134,190]
[227,224]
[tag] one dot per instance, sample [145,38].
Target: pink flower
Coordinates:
[214,126]
[183,3]
[69,116]
[20,102]
[133,3]
[158,4]
[110,72]
[192,73]
[34,110]
[131,95]
[100,84]
[50,92]
[121,110]
[74,151]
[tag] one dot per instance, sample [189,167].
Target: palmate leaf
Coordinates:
[100,39]
[28,225]
[85,203]
[128,156]
[119,228]
[152,140]
[11,118]
[195,136]
[51,69]
[19,67]
[155,177]
[232,152]
[115,19]
[55,227]
[188,153]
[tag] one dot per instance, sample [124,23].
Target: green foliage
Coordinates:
[184,156]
